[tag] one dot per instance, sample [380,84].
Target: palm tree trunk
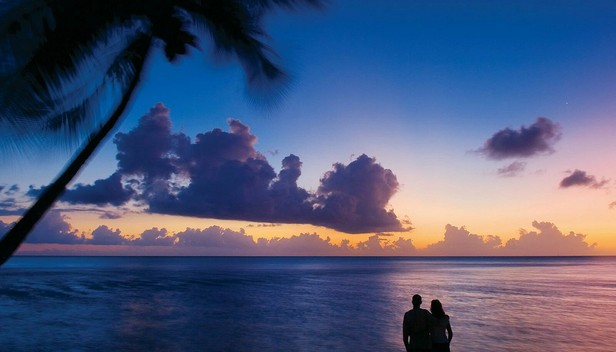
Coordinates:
[13,239]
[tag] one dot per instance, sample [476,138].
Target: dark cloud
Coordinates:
[9,190]
[262,225]
[229,179]
[536,139]
[148,149]
[10,206]
[12,203]
[53,228]
[5,227]
[548,241]
[109,191]
[581,178]
[34,192]
[110,215]
[512,170]
[352,198]
[460,242]
[103,235]
[221,175]
[154,237]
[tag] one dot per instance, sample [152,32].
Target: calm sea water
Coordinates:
[302,304]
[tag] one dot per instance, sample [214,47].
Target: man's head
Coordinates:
[416,300]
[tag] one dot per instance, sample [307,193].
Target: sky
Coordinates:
[406,128]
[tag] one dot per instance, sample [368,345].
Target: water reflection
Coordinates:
[303,304]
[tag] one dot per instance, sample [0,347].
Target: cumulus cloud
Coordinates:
[221,175]
[103,235]
[380,244]
[545,240]
[109,191]
[460,242]
[12,201]
[215,237]
[352,198]
[302,245]
[512,170]
[581,178]
[9,190]
[538,138]
[54,228]
[5,227]
[154,237]
[10,206]
[110,215]
[548,240]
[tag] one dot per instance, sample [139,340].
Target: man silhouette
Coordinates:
[416,328]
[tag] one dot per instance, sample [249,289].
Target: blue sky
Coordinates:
[419,86]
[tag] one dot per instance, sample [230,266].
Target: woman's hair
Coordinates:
[437,308]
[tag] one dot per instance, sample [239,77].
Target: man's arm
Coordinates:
[405,332]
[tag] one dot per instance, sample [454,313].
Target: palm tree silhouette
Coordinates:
[63,60]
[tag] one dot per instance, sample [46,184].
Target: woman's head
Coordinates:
[436,308]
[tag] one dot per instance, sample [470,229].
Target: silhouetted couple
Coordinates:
[425,332]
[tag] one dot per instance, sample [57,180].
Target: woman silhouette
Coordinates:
[441,332]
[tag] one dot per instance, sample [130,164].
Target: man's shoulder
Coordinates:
[417,312]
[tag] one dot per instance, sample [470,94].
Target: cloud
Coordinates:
[352,198]
[103,235]
[11,201]
[303,245]
[9,190]
[148,149]
[460,242]
[548,241]
[379,245]
[34,192]
[54,228]
[512,170]
[580,178]
[5,227]
[262,225]
[102,192]
[612,205]
[538,138]
[10,206]
[215,237]
[154,237]
[110,215]
[221,175]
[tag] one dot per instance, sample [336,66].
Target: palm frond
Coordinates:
[55,84]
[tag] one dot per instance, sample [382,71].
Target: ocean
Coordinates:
[303,303]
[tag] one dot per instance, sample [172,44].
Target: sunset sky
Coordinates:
[406,128]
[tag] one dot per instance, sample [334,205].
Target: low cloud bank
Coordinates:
[545,240]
